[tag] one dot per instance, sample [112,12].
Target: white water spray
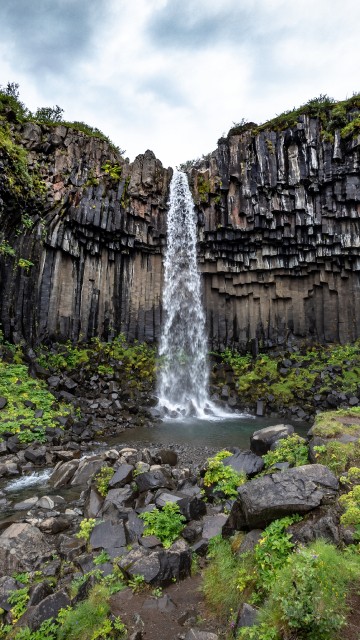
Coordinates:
[184,374]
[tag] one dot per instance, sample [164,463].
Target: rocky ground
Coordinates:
[111,489]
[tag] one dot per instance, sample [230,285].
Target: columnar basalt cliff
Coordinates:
[280,236]
[94,239]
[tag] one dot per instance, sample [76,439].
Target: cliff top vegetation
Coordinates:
[14,110]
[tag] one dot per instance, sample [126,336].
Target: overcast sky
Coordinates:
[173,75]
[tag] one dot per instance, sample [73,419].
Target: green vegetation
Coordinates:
[292,449]
[222,479]
[203,188]
[86,527]
[18,600]
[102,480]
[166,524]
[329,424]
[135,362]
[350,501]
[89,620]
[114,171]
[338,456]
[102,557]
[324,368]
[343,115]
[308,598]
[24,396]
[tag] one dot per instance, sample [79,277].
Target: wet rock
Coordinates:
[261,441]
[29,503]
[297,490]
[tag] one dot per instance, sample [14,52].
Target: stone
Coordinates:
[108,535]
[247,616]
[22,547]
[117,501]
[86,470]
[153,479]
[213,525]
[197,634]
[29,503]
[39,592]
[245,462]
[7,585]
[63,473]
[167,456]
[296,490]
[134,527]
[93,503]
[3,402]
[36,455]
[47,608]
[250,541]
[71,548]
[123,475]
[45,503]
[261,441]
[55,525]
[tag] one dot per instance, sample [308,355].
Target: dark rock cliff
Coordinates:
[94,238]
[279,237]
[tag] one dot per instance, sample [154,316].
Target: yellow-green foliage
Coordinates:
[351,503]
[329,424]
[103,478]
[203,188]
[17,386]
[338,456]
[221,478]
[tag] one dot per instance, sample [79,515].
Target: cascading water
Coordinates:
[184,374]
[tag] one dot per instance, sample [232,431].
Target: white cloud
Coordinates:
[172,75]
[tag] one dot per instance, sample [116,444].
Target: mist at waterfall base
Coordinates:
[184,369]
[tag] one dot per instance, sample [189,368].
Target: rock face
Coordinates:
[279,236]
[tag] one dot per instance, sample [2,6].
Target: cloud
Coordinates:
[49,35]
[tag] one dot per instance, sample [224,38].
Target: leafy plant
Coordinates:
[6,249]
[221,478]
[102,557]
[86,527]
[136,583]
[308,599]
[292,449]
[166,524]
[351,503]
[271,553]
[103,478]
[18,600]
[25,264]
[338,456]
[114,171]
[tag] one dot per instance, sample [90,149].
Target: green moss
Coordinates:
[338,456]
[203,188]
[329,424]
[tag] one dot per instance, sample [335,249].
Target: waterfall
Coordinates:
[184,371]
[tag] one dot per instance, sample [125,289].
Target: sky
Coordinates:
[174,75]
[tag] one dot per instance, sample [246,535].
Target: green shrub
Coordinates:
[18,600]
[225,578]
[86,527]
[338,456]
[166,524]
[270,555]
[292,449]
[102,480]
[308,599]
[223,478]
[351,503]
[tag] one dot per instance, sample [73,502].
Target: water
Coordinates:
[184,374]
[209,432]
[31,480]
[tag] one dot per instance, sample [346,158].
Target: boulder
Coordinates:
[36,455]
[3,402]
[167,456]
[213,525]
[245,462]
[117,502]
[247,616]
[123,475]
[261,441]
[296,490]
[191,507]
[154,479]
[7,585]
[63,473]
[47,608]
[108,535]
[22,547]
[86,469]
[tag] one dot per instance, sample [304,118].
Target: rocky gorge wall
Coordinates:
[279,238]
[94,238]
